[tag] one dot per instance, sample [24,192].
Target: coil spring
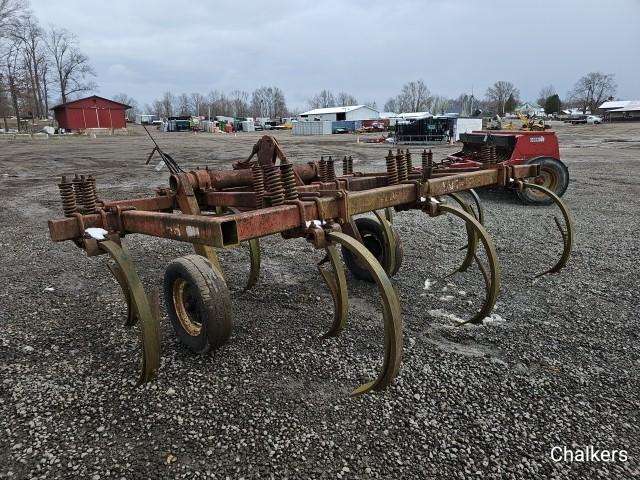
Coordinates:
[322,169]
[289,182]
[331,170]
[68,197]
[345,166]
[392,169]
[407,158]
[488,154]
[427,164]
[401,166]
[78,193]
[257,180]
[273,181]
[88,194]
[350,165]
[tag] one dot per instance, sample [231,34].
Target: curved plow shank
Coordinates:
[390,240]
[146,309]
[122,281]
[391,314]
[388,212]
[567,236]
[492,278]
[480,211]
[472,238]
[339,294]
[254,259]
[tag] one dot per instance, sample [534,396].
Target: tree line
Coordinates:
[37,64]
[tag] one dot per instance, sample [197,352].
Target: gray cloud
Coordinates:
[366,48]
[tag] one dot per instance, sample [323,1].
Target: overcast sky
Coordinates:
[366,48]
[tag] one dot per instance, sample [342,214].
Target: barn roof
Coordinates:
[329,110]
[88,98]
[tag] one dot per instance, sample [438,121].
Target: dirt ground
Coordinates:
[555,366]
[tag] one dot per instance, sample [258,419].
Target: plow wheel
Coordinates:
[382,240]
[198,303]
[554,176]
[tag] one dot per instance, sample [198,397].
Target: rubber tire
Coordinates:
[370,228]
[559,168]
[212,298]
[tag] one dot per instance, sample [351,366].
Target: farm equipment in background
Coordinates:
[530,124]
[266,194]
[486,148]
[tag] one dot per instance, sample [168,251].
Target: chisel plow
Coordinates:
[267,194]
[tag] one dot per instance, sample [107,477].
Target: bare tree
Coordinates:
[498,94]
[219,104]
[197,103]
[545,93]
[268,102]
[127,100]
[10,11]
[30,36]
[71,65]
[439,104]
[324,99]
[344,99]
[391,105]
[240,103]
[10,58]
[167,104]
[592,90]
[414,97]
[183,105]
[371,104]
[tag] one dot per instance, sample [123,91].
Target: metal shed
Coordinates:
[90,112]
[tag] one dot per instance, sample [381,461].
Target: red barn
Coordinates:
[90,112]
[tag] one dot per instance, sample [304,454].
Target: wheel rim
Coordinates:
[548,178]
[186,307]
[371,243]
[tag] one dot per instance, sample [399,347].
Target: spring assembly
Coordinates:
[94,191]
[492,156]
[88,194]
[78,193]
[350,165]
[331,170]
[289,182]
[68,197]
[392,169]
[345,166]
[257,180]
[407,159]
[322,167]
[427,164]
[273,181]
[401,166]
[488,154]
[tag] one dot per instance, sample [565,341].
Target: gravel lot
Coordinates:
[556,365]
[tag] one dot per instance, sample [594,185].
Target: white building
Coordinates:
[532,109]
[333,114]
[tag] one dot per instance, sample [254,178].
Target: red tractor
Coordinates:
[485,147]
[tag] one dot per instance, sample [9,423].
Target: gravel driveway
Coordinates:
[555,366]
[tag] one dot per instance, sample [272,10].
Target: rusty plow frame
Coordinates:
[266,194]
